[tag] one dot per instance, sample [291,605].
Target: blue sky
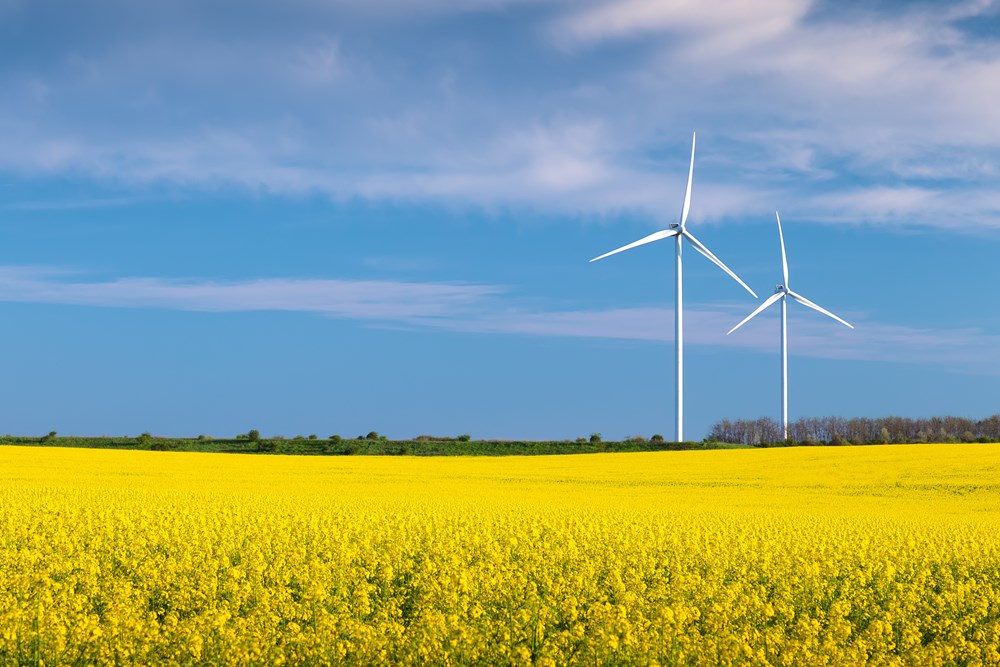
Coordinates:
[337,217]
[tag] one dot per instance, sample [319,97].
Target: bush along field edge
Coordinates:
[725,434]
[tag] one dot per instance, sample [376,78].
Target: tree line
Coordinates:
[856,430]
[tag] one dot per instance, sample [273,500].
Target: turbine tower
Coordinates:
[780,294]
[679,231]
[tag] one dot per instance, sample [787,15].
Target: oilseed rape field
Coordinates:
[884,555]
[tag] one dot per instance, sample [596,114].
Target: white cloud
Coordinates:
[492,309]
[728,24]
[937,207]
[355,299]
[967,350]
[838,111]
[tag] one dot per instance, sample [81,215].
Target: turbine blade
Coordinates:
[806,302]
[655,236]
[784,260]
[700,247]
[687,193]
[770,300]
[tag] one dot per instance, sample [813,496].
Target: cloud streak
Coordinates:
[492,309]
[353,299]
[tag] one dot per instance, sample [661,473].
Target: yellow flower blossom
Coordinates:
[842,556]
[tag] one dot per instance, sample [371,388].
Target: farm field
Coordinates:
[795,556]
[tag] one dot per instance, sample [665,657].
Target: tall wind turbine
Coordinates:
[679,231]
[780,294]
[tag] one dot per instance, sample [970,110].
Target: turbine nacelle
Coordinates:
[781,291]
[680,229]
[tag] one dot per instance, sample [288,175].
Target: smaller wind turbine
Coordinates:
[780,293]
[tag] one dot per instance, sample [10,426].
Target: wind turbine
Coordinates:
[679,231]
[780,294]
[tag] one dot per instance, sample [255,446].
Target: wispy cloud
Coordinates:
[354,299]
[797,101]
[731,24]
[968,350]
[493,309]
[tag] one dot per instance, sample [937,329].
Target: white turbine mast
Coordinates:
[780,294]
[679,231]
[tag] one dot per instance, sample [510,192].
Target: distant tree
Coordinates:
[144,439]
[465,437]
[313,436]
[838,440]
[204,437]
[50,437]
[595,438]
[253,435]
[657,438]
[373,435]
[581,441]
[721,432]
[334,438]
[990,428]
